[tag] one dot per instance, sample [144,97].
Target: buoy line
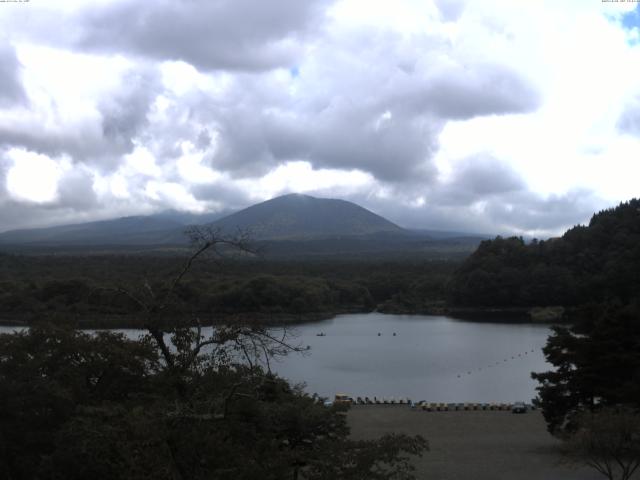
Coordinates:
[505,360]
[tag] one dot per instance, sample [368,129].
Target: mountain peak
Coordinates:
[299,216]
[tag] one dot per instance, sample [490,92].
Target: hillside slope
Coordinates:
[598,262]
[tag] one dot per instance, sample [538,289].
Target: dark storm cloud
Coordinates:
[342,136]
[378,118]
[479,177]
[11,89]
[75,190]
[227,194]
[465,92]
[124,114]
[209,34]
[80,143]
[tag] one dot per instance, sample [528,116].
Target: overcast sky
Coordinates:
[490,116]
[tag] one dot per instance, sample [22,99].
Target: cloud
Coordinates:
[75,190]
[124,115]
[515,213]
[477,178]
[99,134]
[464,92]
[439,114]
[629,121]
[450,10]
[482,194]
[209,34]
[32,177]
[377,109]
[11,90]
[528,213]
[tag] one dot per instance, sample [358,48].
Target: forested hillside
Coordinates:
[597,262]
[84,289]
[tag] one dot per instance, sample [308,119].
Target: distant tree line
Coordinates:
[80,288]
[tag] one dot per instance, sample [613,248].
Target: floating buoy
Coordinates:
[394,334]
[379,334]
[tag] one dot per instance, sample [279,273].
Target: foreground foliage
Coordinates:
[597,364]
[77,406]
[591,400]
[608,441]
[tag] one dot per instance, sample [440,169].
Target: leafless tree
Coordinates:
[607,440]
[181,340]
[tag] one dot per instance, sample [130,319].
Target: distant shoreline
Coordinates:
[482,314]
[131,321]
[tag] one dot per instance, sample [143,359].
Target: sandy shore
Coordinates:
[473,445]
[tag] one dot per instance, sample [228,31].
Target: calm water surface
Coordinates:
[431,357]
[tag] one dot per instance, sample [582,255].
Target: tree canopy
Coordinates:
[598,262]
[597,364]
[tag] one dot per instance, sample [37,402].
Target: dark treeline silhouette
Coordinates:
[598,262]
[597,365]
[77,287]
[595,269]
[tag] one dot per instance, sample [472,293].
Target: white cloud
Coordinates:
[174,195]
[33,178]
[301,177]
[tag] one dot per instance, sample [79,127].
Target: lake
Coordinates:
[435,358]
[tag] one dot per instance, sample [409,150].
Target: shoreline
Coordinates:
[130,321]
[546,315]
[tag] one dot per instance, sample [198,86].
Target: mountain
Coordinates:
[124,230]
[302,217]
[290,225]
[158,229]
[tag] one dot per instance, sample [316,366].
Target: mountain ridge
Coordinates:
[295,222]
